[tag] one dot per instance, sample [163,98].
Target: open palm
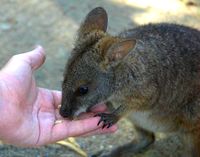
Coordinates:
[28,113]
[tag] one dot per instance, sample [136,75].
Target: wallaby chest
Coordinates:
[146,120]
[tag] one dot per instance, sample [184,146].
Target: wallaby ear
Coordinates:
[120,49]
[117,52]
[96,19]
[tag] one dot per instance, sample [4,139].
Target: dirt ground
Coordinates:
[53,24]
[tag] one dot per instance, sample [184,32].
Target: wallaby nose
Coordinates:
[66,113]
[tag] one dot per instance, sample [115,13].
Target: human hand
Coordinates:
[28,113]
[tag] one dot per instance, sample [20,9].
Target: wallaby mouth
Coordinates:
[89,109]
[79,111]
[70,113]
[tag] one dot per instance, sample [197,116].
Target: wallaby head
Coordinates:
[89,74]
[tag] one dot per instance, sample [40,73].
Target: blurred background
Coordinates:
[53,24]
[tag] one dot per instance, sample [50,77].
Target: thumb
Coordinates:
[35,58]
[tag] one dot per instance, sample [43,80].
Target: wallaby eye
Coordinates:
[82,90]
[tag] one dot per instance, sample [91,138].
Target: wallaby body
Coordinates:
[150,73]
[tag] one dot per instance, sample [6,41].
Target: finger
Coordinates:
[100,131]
[94,132]
[51,98]
[74,128]
[56,98]
[35,57]
[56,102]
[85,115]
[57,114]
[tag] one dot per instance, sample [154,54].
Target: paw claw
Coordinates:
[107,119]
[104,126]
[109,125]
[96,115]
[99,122]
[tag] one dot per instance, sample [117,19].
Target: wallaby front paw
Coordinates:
[107,118]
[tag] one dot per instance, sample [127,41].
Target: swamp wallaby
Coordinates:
[151,73]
